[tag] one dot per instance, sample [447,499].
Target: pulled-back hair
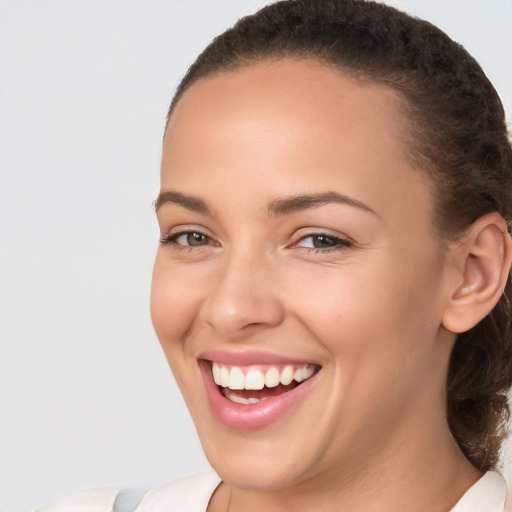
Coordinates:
[456,134]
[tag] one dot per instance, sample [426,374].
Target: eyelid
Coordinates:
[341,241]
[176,232]
[303,233]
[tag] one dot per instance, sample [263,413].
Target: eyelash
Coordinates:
[172,239]
[338,243]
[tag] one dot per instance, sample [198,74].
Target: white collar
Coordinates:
[192,494]
[486,495]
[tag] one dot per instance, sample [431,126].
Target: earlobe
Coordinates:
[484,260]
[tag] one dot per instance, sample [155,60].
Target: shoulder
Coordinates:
[191,493]
[91,500]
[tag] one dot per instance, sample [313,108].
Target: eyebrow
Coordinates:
[303,202]
[189,202]
[280,206]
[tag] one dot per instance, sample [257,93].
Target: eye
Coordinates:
[187,239]
[322,241]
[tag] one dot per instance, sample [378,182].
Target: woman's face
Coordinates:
[298,243]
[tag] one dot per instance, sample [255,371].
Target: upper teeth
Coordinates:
[253,377]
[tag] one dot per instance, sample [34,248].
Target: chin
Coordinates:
[265,460]
[258,472]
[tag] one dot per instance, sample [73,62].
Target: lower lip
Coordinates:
[251,416]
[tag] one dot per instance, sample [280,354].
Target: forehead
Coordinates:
[291,124]
[286,86]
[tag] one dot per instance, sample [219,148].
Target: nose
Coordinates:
[245,298]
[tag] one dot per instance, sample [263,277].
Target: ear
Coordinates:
[482,266]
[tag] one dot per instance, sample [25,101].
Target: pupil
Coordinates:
[322,241]
[196,239]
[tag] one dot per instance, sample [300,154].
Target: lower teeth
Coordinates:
[241,400]
[250,397]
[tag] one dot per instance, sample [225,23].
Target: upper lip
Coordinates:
[248,358]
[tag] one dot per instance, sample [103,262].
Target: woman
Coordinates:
[332,284]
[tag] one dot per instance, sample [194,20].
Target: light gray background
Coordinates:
[86,397]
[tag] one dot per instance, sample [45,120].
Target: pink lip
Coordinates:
[255,416]
[249,358]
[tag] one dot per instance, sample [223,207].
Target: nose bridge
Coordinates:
[245,293]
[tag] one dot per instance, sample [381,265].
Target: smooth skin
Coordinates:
[363,287]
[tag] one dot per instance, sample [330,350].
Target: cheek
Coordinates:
[380,335]
[370,316]
[174,306]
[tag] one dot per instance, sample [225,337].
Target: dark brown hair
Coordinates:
[458,136]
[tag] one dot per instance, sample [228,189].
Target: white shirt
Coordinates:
[192,494]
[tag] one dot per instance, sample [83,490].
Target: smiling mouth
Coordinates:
[250,385]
